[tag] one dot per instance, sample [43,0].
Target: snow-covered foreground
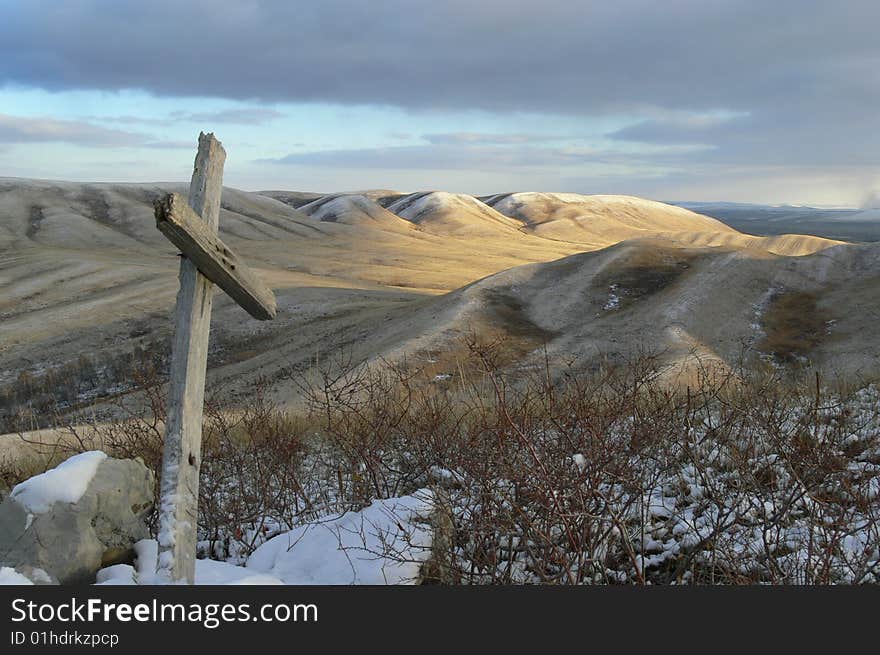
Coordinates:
[756,489]
[744,482]
[384,543]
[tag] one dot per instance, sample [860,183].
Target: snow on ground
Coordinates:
[613,301]
[385,543]
[208,572]
[331,209]
[758,310]
[724,503]
[9,576]
[67,483]
[412,207]
[118,574]
[515,200]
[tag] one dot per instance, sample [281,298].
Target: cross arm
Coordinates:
[216,261]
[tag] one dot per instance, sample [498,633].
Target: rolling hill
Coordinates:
[453,214]
[599,220]
[381,274]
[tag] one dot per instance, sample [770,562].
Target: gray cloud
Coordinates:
[18,129]
[556,55]
[871,200]
[800,75]
[693,129]
[776,136]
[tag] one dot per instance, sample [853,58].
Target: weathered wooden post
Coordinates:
[192,226]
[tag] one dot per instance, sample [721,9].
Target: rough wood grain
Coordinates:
[214,259]
[178,508]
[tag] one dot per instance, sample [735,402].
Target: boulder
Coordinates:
[85,514]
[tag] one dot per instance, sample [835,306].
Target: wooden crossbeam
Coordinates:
[216,261]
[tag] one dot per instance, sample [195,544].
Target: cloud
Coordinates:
[128,120]
[18,129]
[454,156]
[794,82]
[244,116]
[871,200]
[778,136]
[22,129]
[170,144]
[479,138]
[509,55]
[681,129]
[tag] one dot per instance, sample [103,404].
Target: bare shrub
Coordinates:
[548,474]
[618,477]
[794,325]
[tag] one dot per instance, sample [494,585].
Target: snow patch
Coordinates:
[39,576]
[758,310]
[9,576]
[208,572]
[211,572]
[411,208]
[613,301]
[324,209]
[515,200]
[384,543]
[67,483]
[118,574]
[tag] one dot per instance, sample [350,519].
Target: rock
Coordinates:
[68,523]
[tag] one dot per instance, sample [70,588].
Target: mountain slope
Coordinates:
[457,214]
[354,210]
[599,220]
[83,271]
[655,294]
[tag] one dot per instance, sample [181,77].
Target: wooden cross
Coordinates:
[191,225]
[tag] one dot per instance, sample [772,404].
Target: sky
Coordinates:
[735,100]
